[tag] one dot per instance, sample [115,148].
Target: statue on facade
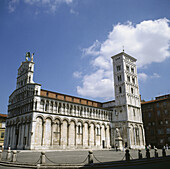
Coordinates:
[28,55]
[117,133]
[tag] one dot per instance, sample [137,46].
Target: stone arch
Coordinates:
[104,124]
[141,135]
[86,121]
[48,131]
[72,133]
[81,121]
[92,134]
[86,133]
[49,117]
[103,135]
[73,121]
[132,134]
[92,122]
[47,105]
[108,126]
[136,135]
[40,116]
[98,134]
[79,132]
[64,131]
[39,131]
[58,118]
[66,119]
[57,131]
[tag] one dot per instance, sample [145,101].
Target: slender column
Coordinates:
[68,130]
[13,137]
[19,135]
[60,141]
[89,127]
[42,139]
[22,135]
[82,134]
[134,135]
[100,136]
[52,124]
[94,135]
[75,135]
[105,136]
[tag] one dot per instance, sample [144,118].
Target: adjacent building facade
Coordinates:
[156,118]
[2,128]
[42,119]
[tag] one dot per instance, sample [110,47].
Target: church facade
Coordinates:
[41,119]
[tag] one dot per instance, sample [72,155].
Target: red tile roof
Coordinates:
[3,115]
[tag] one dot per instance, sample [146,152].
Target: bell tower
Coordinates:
[26,71]
[127,113]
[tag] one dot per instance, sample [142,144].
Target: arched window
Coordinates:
[98,131]
[47,106]
[79,129]
[120,89]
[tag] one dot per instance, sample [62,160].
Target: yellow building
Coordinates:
[2,128]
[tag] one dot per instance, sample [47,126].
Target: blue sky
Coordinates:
[73,41]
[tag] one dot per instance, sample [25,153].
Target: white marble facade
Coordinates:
[36,121]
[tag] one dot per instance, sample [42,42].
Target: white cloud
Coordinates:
[93,49]
[50,5]
[97,84]
[12,5]
[147,41]
[142,76]
[155,75]
[77,74]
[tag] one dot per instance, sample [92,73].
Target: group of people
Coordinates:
[149,147]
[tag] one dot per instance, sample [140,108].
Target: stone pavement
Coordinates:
[76,157]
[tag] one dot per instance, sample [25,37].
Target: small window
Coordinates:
[133,80]
[166,121]
[127,67]
[132,90]
[128,78]
[119,78]
[56,95]
[132,70]
[98,131]
[118,68]
[134,112]
[47,94]
[161,131]
[161,122]
[168,131]
[120,90]
[166,111]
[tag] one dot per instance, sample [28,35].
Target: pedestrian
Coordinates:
[166,146]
